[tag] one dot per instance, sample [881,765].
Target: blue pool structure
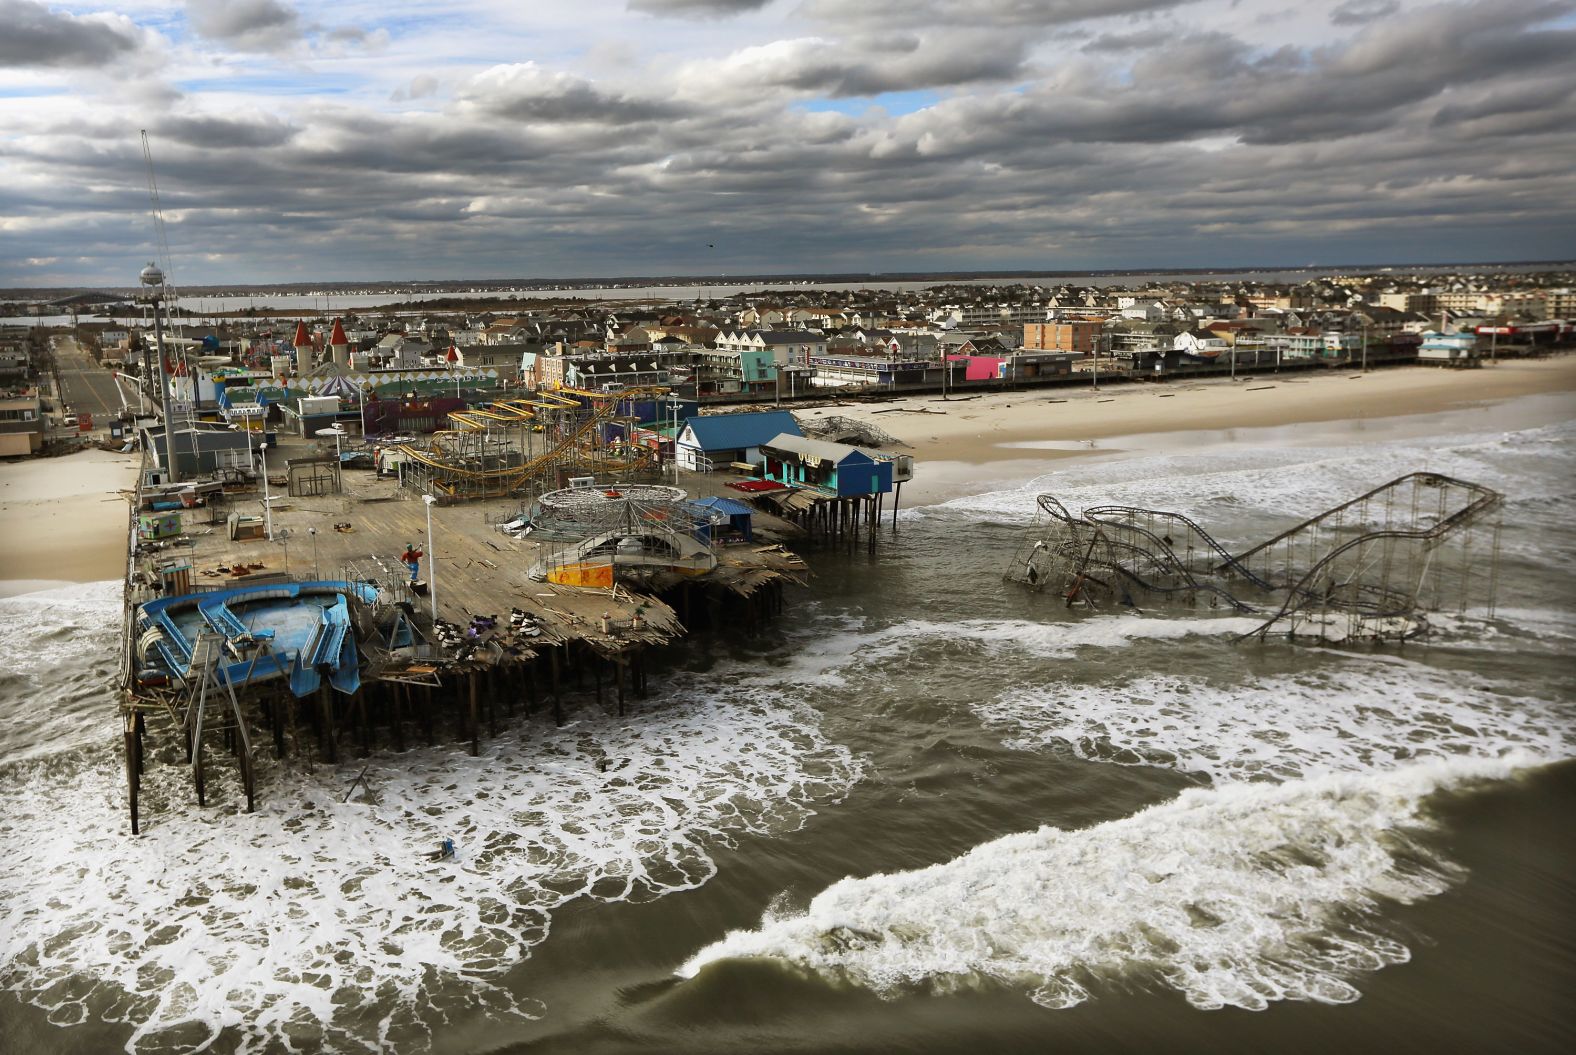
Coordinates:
[299,631]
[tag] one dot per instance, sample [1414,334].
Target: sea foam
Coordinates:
[1241,895]
[323,923]
[1350,715]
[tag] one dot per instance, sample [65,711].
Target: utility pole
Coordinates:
[268,503]
[432,561]
[1095,347]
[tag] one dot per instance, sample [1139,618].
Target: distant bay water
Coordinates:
[309,305]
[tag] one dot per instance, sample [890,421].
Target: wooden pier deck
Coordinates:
[472,569]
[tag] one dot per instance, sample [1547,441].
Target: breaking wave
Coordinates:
[1235,896]
[1286,481]
[1350,717]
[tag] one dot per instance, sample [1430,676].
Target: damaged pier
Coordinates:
[304,630]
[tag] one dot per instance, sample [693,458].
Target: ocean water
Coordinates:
[928,812]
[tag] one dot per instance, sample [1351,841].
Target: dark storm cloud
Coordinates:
[225,133]
[977,12]
[1443,133]
[697,8]
[253,25]
[531,94]
[1211,84]
[33,35]
[895,62]
[1136,41]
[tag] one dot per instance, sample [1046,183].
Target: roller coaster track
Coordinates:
[1338,513]
[506,413]
[1318,587]
[1123,517]
[505,479]
[1377,568]
[1109,538]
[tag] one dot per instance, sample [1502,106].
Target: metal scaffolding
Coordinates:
[1367,569]
[528,446]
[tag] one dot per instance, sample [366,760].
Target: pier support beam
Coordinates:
[618,674]
[558,696]
[476,748]
[397,699]
[276,719]
[327,734]
[133,770]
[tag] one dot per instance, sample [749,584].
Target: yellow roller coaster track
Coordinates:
[506,413]
[504,480]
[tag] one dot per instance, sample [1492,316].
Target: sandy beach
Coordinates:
[954,441]
[63,520]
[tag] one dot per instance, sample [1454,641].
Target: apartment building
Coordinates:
[1063,336]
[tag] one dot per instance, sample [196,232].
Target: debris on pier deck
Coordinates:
[325,622]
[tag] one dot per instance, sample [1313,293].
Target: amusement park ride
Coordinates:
[525,446]
[1367,569]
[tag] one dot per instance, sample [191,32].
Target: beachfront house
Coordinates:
[1461,348]
[21,426]
[716,440]
[834,467]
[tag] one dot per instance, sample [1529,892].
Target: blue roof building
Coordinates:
[740,517]
[835,467]
[713,440]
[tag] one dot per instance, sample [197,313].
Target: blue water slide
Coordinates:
[304,679]
[217,614]
[178,648]
[332,643]
[175,665]
[347,670]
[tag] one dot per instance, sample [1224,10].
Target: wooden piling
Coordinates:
[476,748]
[397,699]
[133,774]
[276,716]
[327,737]
[558,706]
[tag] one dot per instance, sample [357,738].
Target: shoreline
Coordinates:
[1027,433]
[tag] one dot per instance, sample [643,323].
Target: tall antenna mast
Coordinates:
[159,289]
[161,240]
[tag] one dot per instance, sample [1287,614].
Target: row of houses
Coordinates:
[23,419]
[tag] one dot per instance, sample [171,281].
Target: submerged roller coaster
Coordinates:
[1367,569]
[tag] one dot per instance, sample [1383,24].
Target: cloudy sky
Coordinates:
[296,141]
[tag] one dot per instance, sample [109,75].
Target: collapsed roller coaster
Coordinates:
[1368,569]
